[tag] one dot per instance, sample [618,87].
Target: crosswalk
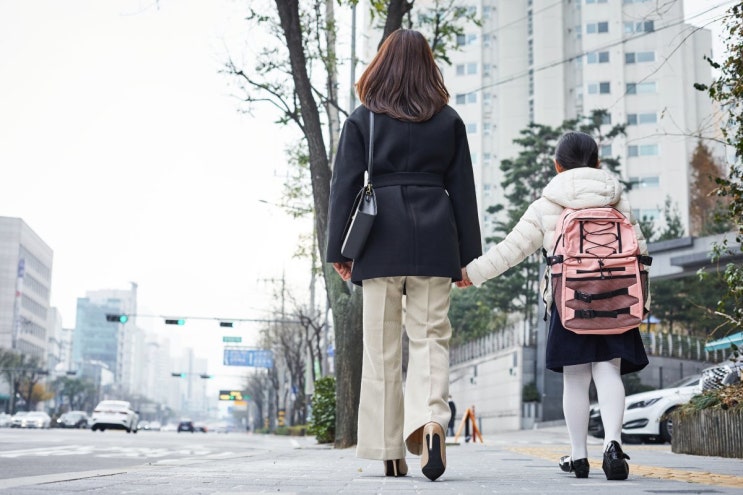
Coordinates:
[112,452]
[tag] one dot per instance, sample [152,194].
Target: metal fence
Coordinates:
[656,344]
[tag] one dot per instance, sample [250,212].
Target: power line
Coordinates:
[609,45]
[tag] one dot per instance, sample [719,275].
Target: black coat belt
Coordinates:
[408,179]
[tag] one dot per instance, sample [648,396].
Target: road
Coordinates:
[41,452]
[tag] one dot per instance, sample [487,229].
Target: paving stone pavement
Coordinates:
[522,462]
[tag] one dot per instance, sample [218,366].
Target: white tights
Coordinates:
[575,402]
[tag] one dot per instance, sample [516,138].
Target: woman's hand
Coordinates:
[465,282]
[344,269]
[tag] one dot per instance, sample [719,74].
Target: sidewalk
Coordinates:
[522,462]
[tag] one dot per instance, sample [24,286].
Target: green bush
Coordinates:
[322,424]
[292,431]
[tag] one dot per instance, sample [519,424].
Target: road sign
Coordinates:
[257,358]
[232,339]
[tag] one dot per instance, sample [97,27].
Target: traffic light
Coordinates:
[117,318]
[179,321]
[227,324]
[178,375]
[204,375]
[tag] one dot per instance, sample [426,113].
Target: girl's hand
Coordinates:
[465,282]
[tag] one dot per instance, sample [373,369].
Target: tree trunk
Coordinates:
[347,317]
[348,355]
[396,10]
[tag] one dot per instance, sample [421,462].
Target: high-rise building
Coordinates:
[25,288]
[116,345]
[546,61]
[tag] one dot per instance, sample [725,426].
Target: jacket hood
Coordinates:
[584,187]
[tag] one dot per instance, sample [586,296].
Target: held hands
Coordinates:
[344,269]
[465,282]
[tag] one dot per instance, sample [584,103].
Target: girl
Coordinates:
[579,183]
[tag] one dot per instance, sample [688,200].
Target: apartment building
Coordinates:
[545,61]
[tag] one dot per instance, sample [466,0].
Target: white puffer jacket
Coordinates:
[576,188]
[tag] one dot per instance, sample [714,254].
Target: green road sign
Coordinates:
[232,339]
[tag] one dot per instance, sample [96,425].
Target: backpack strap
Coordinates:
[586,297]
[592,313]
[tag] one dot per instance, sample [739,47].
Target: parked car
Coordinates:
[5,419]
[33,419]
[646,414]
[186,425]
[114,415]
[17,419]
[722,375]
[73,419]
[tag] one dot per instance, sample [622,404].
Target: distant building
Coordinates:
[25,287]
[118,346]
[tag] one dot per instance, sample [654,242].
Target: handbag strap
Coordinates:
[370,164]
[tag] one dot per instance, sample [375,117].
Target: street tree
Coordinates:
[727,91]
[289,75]
[706,207]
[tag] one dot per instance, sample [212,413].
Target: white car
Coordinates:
[33,419]
[114,415]
[646,413]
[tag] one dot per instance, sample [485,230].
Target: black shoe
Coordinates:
[615,466]
[579,466]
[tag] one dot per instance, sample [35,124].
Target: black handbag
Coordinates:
[364,209]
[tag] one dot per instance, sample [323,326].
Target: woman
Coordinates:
[579,183]
[425,231]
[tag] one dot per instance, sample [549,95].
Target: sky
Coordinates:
[122,147]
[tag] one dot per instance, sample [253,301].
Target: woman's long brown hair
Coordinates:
[403,80]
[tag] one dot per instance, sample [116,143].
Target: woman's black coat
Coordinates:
[421,230]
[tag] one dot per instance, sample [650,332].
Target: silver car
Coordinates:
[114,415]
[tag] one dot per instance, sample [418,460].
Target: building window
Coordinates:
[596,1]
[597,27]
[460,69]
[597,57]
[646,214]
[640,88]
[485,40]
[472,128]
[644,182]
[461,40]
[606,119]
[642,150]
[472,68]
[642,118]
[639,57]
[602,88]
[460,99]
[486,127]
[604,150]
[639,27]
[472,97]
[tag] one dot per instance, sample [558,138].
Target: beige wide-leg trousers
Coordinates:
[387,421]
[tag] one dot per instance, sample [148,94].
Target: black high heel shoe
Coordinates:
[579,466]
[615,466]
[395,467]
[433,458]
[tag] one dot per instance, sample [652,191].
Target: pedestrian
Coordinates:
[579,183]
[425,232]
[452,419]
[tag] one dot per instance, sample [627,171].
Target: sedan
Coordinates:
[114,415]
[73,419]
[35,419]
[646,415]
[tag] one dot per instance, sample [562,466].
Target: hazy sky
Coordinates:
[122,148]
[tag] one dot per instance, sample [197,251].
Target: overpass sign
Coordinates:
[257,358]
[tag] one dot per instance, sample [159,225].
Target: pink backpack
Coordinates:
[599,277]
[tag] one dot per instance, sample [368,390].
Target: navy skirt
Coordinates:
[565,348]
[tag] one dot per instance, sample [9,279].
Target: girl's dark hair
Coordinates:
[403,80]
[576,149]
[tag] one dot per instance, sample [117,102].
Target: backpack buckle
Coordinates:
[583,296]
[585,313]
